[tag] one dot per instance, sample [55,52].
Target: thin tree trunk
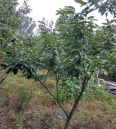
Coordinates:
[73,110]
[55,88]
[56,85]
[75,105]
[67,123]
[3,76]
[57,94]
[1,80]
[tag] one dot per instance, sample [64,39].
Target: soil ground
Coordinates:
[94,111]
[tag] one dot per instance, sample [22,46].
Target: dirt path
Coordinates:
[109,86]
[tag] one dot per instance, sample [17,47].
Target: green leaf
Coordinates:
[81,2]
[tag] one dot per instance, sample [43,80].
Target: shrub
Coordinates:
[92,87]
[68,89]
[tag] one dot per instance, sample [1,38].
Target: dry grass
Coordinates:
[41,112]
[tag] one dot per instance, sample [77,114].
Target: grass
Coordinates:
[96,110]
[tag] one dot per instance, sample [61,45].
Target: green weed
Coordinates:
[24,97]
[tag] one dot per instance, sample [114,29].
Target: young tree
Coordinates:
[70,50]
[81,51]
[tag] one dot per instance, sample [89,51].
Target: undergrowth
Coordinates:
[96,109]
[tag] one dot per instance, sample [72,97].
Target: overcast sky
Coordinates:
[47,9]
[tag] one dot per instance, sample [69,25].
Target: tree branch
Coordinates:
[45,87]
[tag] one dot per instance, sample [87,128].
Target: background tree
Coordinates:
[12,46]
